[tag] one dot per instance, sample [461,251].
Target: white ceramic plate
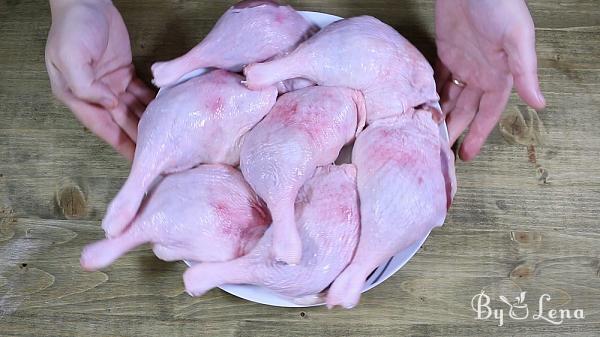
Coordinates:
[265,296]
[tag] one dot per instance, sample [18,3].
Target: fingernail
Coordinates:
[467,155]
[108,102]
[461,153]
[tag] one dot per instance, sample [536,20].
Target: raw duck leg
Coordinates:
[251,31]
[361,53]
[328,221]
[403,194]
[201,121]
[305,129]
[208,213]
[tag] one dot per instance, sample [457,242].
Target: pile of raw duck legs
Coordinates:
[236,169]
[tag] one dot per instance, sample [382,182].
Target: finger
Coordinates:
[441,74]
[101,124]
[140,90]
[118,80]
[94,118]
[464,111]
[490,109]
[449,95]
[125,118]
[448,170]
[134,104]
[57,82]
[82,82]
[522,61]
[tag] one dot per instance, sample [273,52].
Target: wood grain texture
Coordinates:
[526,216]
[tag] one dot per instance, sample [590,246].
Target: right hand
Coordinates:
[488,44]
[88,57]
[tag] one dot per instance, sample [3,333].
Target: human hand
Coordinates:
[88,57]
[483,45]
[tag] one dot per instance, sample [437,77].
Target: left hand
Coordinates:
[485,45]
[89,63]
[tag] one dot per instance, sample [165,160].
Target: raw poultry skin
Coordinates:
[251,31]
[208,213]
[202,120]
[327,217]
[403,194]
[305,129]
[361,53]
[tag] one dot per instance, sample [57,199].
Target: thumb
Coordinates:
[522,61]
[82,82]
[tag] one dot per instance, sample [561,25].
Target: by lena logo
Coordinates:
[518,310]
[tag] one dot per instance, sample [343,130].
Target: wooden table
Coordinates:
[526,216]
